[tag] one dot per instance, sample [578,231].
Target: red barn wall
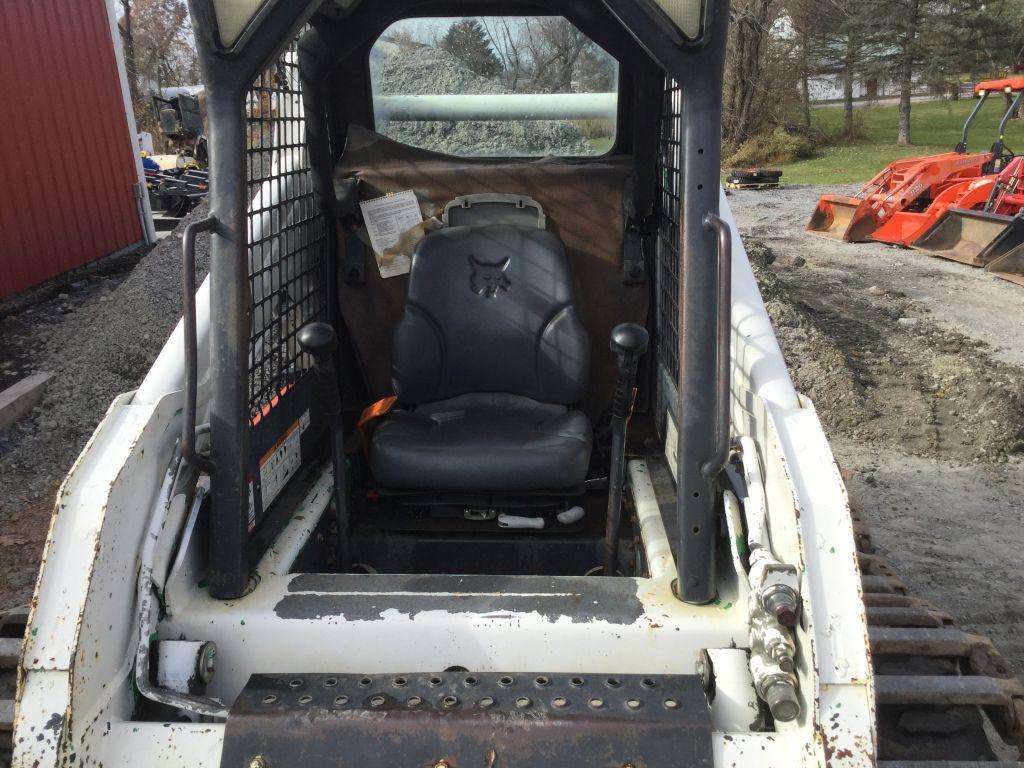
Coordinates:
[67,157]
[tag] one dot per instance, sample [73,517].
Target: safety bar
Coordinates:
[1010,113]
[505,106]
[961,148]
[188,300]
[723,361]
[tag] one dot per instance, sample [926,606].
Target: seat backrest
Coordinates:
[490,309]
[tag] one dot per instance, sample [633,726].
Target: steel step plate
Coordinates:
[465,719]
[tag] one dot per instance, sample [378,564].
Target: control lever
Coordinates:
[629,342]
[321,341]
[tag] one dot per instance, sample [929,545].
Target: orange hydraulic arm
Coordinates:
[911,183]
[983,193]
[892,190]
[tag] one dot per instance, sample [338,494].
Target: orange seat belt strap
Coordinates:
[370,415]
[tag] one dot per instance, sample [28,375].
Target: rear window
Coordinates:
[495,86]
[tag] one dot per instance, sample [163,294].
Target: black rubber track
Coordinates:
[922,733]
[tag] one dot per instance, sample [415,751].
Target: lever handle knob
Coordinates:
[318,339]
[629,339]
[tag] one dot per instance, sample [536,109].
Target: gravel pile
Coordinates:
[426,70]
[98,341]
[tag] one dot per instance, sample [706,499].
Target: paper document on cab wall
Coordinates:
[387,219]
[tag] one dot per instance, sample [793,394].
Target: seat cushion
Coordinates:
[482,442]
[490,309]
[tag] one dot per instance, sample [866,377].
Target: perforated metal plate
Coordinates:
[464,719]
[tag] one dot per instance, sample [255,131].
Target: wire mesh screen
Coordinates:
[667,253]
[287,234]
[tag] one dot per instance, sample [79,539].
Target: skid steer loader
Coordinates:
[497,488]
[911,184]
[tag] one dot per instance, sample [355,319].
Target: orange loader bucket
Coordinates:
[1009,266]
[971,237]
[839,217]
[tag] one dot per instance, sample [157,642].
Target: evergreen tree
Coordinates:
[467,41]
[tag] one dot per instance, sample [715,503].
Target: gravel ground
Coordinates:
[97,340]
[913,364]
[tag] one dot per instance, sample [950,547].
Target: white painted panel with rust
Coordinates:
[78,657]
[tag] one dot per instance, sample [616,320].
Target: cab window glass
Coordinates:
[495,86]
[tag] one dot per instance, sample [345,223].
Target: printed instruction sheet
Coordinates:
[387,219]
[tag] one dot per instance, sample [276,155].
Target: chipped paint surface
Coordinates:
[473,622]
[75,699]
[76,657]
[811,528]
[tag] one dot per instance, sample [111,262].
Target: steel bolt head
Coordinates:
[782,605]
[786,616]
[782,701]
[258,762]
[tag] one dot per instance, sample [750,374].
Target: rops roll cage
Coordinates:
[702,408]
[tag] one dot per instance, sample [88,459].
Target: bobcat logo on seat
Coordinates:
[487,279]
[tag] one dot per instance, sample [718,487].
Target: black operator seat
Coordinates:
[487,362]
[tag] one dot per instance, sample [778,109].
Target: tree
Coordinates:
[554,47]
[128,43]
[751,22]
[907,51]
[467,41]
[504,36]
[803,15]
[548,54]
[159,51]
[847,46]
[778,47]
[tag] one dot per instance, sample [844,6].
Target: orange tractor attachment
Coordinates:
[1010,265]
[978,234]
[956,218]
[910,184]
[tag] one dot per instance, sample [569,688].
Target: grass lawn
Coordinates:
[935,127]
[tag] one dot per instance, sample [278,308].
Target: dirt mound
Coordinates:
[427,70]
[879,371]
